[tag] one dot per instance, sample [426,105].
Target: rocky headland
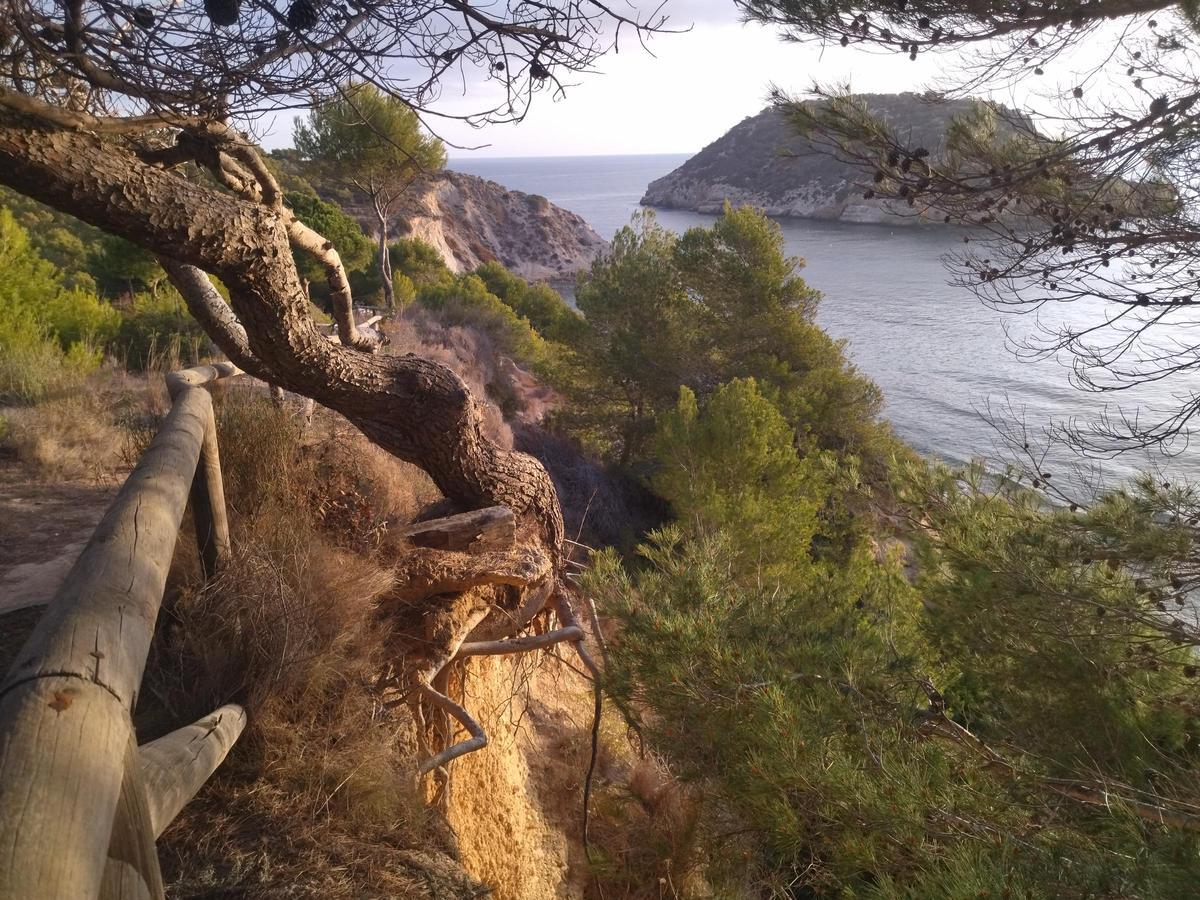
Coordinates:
[763,162]
[472,220]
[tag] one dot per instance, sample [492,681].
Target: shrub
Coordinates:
[543,306]
[47,332]
[421,262]
[156,333]
[466,301]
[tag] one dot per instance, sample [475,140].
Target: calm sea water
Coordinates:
[939,355]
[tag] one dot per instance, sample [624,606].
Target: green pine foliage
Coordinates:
[698,310]
[58,238]
[1068,629]
[543,306]
[420,261]
[761,666]
[862,730]
[121,268]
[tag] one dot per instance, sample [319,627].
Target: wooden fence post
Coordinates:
[131,871]
[65,706]
[208,491]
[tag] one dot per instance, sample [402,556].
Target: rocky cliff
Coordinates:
[763,162]
[473,220]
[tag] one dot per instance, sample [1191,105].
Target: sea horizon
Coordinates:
[451,160]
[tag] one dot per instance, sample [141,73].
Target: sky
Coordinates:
[683,92]
[693,89]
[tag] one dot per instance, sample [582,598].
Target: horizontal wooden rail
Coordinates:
[175,766]
[75,818]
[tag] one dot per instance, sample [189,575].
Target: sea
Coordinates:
[957,383]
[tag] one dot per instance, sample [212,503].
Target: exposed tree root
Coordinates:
[520,645]
[477,741]
[426,572]
[476,604]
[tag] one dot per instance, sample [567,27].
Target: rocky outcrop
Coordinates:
[472,220]
[763,162]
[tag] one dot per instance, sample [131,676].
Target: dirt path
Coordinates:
[43,527]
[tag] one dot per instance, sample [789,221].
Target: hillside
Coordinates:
[763,162]
[472,220]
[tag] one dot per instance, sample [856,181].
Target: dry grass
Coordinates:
[318,799]
[64,439]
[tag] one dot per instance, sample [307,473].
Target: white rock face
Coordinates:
[472,220]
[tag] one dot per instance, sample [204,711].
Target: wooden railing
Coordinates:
[81,804]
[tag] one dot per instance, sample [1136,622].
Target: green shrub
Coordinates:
[465,300]
[121,267]
[158,333]
[874,738]
[49,333]
[543,306]
[420,261]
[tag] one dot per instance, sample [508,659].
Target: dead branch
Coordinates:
[492,528]
[520,645]
[426,572]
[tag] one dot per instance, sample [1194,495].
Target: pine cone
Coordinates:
[302,15]
[223,12]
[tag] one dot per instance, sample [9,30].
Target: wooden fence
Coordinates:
[81,804]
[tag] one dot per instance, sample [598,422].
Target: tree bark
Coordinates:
[416,409]
[385,260]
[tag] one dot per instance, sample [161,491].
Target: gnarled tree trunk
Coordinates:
[416,409]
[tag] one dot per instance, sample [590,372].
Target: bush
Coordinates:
[543,306]
[48,332]
[864,734]
[419,261]
[156,333]
[466,301]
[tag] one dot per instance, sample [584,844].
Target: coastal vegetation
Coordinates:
[835,668]
[862,671]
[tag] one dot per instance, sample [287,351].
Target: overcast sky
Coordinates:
[694,87]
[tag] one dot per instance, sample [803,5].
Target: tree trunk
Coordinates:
[416,409]
[385,261]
